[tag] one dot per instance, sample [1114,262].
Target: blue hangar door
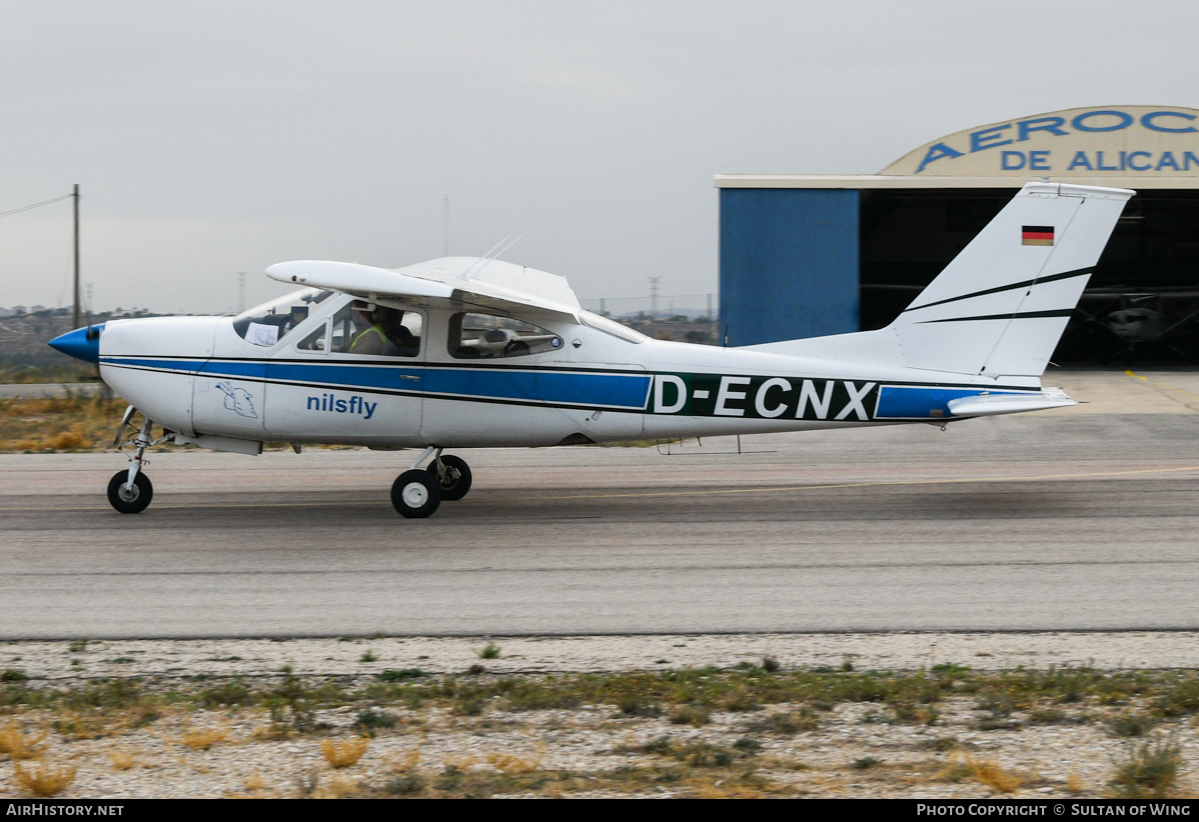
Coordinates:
[789,262]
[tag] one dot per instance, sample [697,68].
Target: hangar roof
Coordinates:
[1139,147]
[869,181]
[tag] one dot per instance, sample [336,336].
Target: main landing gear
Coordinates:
[418,492]
[130,491]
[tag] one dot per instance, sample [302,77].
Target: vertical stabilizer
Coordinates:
[1001,306]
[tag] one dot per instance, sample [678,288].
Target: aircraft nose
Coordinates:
[82,343]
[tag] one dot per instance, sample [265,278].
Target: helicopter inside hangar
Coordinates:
[842,253]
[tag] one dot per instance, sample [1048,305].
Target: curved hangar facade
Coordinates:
[808,255]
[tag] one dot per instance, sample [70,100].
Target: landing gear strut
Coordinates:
[130,491]
[417,492]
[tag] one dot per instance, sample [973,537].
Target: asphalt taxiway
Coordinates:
[1081,519]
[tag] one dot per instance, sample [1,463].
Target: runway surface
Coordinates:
[1043,522]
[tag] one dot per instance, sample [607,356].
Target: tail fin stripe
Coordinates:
[1027,315]
[1066,275]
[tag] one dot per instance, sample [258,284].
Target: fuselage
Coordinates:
[288,371]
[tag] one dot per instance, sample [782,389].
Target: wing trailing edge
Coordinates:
[460,281]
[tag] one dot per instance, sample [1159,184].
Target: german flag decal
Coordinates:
[1036,235]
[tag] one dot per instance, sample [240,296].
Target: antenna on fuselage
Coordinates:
[495,251]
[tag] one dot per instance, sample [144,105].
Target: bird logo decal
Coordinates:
[238,400]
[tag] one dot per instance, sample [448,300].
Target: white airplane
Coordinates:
[478,353]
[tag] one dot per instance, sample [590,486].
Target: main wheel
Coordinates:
[415,494]
[132,499]
[453,480]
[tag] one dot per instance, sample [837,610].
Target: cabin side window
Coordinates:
[362,328]
[489,336]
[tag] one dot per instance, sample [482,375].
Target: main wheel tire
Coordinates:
[455,481]
[415,494]
[133,499]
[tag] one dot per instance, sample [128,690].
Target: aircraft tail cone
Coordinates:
[82,343]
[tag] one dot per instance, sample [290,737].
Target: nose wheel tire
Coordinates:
[130,499]
[453,480]
[415,494]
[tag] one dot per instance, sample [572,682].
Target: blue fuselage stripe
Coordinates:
[918,402]
[629,391]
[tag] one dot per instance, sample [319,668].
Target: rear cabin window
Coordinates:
[489,337]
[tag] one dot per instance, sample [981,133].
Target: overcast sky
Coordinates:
[216,137]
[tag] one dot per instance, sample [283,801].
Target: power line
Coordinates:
[35,205]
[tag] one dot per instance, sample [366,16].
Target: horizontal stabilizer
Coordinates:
[986,404]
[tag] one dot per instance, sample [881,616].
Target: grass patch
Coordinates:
[53,424]
[787,723]
[1130,725]
[1148,770]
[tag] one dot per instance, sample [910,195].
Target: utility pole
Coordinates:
[241,291]
[76,316]
[653,296]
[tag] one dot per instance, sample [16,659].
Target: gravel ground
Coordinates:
[445,655]
[855,750]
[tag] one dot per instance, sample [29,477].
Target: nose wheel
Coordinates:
[418,492]
[130,497]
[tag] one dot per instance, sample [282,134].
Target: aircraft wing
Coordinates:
[458,282]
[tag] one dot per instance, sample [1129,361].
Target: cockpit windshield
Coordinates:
[270,322]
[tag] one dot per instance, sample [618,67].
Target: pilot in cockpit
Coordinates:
[386,335]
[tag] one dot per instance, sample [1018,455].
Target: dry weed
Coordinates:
[337,787]
[404,763]
[346,753]
[204,738]
[255,782]
[44,778]
[75,725]
[724,791]
[121,759]
[509,764]
[1074,783]
[993,775]
[17,744]
[459,763]
[988,772]
[68,440]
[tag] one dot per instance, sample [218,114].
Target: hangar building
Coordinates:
[808,255]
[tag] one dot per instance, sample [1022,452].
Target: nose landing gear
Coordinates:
[130,491]
[417,493]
